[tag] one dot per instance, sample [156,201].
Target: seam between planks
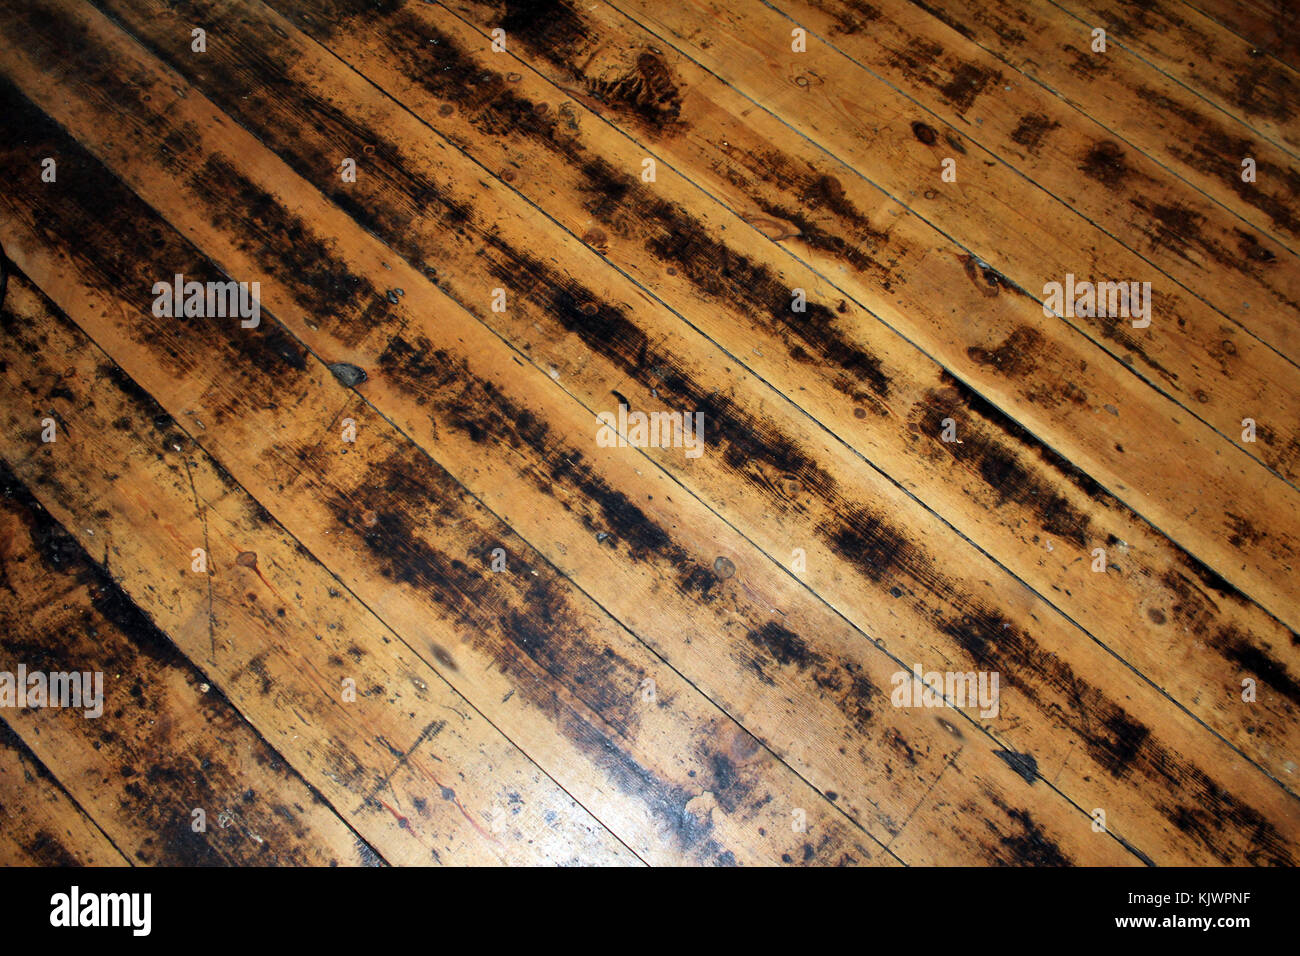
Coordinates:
[1079,108]
[1111,38]
[1027,178]
[1264,12]
[653,464]
[32,490]
[417,445]
[27,753]
[1129,368]
[289,536]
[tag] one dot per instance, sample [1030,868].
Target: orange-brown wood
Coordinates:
[461,628]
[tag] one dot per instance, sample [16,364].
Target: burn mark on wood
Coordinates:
[968,81]
[1032,129]
[647,93]
[996,461]
[668,803]
[838,678]
[96,203]
[1238,648]
[161,782]
[820,195]
[850,16]
[1263,90]
[479,409]
[1022,764]
[1122,745]
[287,248]
[42,847]
[784,646]
[1174,227]
[1085,64]
[536,616]
[1016,357]
[1216,153]
[1105,164]
[945,18]
[1120,738]
[63,554]
[677,239]
[1029,844]
[1251,249]
[549,28]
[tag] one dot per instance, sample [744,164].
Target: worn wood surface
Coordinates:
[1224,68]
[42,825]
[167,744]
[1268,25]
[378,758]
[1146,109]
[570,653]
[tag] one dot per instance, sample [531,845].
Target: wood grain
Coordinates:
[378,759]
[571,653]
[1007,470]
[1268,25]
[42,825]
[1142,108]
[408,561]
[1223,68]
[901,744]
[166,743]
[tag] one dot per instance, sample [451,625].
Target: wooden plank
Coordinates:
[165,743]
[419,775]
[556,673]
[1172,231]
[1196,51]
[506,397]
[1088,418]
[1138,109]
[821,703]
[40,825]
[1001,218]
[1269,25]
[1010,495]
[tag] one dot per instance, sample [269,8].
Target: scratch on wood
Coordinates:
[947,763]
[207,555]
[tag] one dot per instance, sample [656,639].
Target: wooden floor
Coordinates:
[366,582]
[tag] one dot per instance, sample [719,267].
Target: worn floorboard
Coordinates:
[365,581]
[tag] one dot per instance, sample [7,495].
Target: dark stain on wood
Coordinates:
[646,92]
[925,63]
[1218,153]
[348,375]
[1104,162]
[1028,844]
[161,782]
[968,81]
[945,18]
[718,273]
[1032,129]
[850,16]
[996,460]
[1023,764]
[1016,357]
